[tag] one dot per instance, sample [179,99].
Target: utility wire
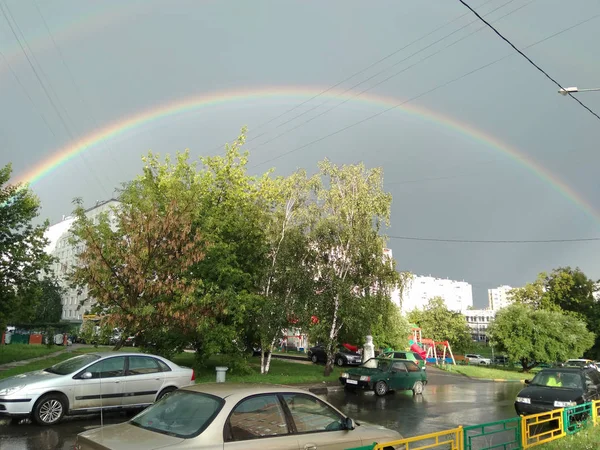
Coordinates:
[494,241]
[18,80]
[407,58]
[73,80]
[529,59]
[390,76]
[39,79]
[360,72]
[366,119]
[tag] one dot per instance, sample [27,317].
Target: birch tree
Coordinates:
[287,278]
[353,277]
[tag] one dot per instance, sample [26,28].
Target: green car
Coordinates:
[411,356]
[385,374]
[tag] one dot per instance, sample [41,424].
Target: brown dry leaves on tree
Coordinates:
[137,267]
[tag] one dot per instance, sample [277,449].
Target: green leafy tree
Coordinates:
[22,256]
[391,329]
[353,278]
[49,305]
[437,322]
[538,336]
[38,302]
[567,290]
[287,278]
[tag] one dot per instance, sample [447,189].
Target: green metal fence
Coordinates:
[503,434]
[576,417]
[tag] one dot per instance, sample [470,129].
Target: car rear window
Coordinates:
[182,414]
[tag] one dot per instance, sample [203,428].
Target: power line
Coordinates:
[392,75]
[361,71]
[73,80]
[529,60]
[410,56]
[494,241]
[373,116]
[18,80]
[39,79]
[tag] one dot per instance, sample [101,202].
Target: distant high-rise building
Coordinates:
[498,298]
[457,295]
[66,258]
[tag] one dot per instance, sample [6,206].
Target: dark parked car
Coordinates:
[342,357]
[385,374]
[558,387]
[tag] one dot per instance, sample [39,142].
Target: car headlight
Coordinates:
[365,378]
[564,404]
[345,375]
[10,390]
[524,400]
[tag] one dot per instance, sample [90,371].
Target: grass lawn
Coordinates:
[588,438]
[495,373]
[18,352]
[47,362]
[281,371]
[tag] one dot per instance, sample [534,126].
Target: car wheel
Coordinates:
[418,388]
[339,361]
[314,358]
[50,409]
[165,392]
[381,388]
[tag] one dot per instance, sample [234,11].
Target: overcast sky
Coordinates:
[115,59]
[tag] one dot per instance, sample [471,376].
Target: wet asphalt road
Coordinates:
[448,401]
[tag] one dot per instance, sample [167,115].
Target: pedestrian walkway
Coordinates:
[23,362]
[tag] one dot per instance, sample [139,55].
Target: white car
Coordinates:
[89,383]
[478,359]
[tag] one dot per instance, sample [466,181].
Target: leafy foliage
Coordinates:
[437,322]
[538,336]
[353,277]
[22,256]
[567,290]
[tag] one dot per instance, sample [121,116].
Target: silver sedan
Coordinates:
[89,383]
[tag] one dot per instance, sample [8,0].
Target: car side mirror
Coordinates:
[350,425]
[86,375]
[527,381]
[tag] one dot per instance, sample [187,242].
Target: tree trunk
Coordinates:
[262,360]
[268,366]
[265,365]
[332,337]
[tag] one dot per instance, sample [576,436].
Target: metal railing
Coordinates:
[512,434]
[448,439]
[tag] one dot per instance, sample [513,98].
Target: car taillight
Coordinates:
[193,375]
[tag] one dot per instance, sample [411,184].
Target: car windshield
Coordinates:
[376,363]
[72,365]
[557,379]
[183,414]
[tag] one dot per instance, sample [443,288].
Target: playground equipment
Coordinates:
[427,348]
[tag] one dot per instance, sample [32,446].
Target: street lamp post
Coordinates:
[573,89]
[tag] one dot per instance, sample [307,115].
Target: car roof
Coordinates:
[225,390]
[579,359]
[565,369]
[109,354]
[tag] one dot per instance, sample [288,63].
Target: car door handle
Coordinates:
[310,447]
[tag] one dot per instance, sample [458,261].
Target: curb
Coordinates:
[493,380]
[318,390]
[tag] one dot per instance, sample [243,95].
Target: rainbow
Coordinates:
[161,112]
